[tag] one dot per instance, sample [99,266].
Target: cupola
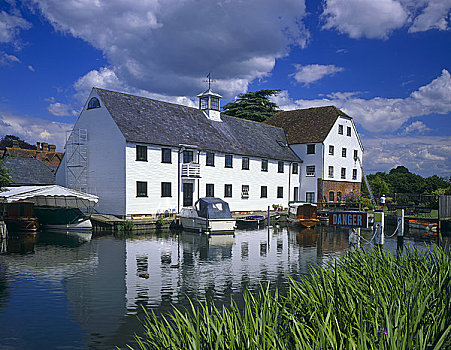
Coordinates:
[209,103]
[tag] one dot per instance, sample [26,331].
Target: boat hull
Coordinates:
[250,222]
[84,225]
[308,223]
[22,224]
[215,226]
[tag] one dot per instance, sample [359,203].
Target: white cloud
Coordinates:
[34,129]
[417,127]
[61,110]
[31,68]
[377,19]
[7,59]
[168,46]
[425,155]
[10,26]
[364,18]
[313,72]
[379,114]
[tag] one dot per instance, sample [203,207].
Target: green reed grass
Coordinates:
[367,300]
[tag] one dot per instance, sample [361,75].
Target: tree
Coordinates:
[5,178]
[7,141]
[254,106]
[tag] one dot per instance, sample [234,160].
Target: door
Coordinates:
[188,189]
[296,194]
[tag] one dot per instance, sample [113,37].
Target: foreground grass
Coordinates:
[368,300]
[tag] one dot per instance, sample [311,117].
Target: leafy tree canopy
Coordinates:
[5,178]
[254,106]
[7,141]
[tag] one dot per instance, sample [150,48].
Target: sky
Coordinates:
[386,63]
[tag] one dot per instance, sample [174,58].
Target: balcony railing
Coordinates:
[191,170]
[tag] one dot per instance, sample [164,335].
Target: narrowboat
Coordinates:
[304,214]
[20,216]
[210,215]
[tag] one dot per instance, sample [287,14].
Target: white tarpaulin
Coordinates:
[52,196]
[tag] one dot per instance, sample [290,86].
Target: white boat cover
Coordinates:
[52,196]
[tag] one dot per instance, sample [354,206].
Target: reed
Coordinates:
[367,300]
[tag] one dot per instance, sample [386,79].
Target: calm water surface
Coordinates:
[68,292]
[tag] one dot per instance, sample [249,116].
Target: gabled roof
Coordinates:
[29,171]
[143,120]
[48,157]
[307,125]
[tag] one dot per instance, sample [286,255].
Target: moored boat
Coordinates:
[304,214]
[63,218]
[20,216]
[420,225]
[210,215]
[250,221]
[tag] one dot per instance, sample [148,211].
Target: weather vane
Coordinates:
[209,81]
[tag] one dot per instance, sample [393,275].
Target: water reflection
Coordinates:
[87,293]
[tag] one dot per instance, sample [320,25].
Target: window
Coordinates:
[354,174]
[203,103]
[331,196]
[343,173]
[228,161]
[295,168]
[245,163]
[331,150]
[141,153]
[166,189]
[348,131]
[166,156]
[188,156]
[311,149]
[331,171]
[93,103]
[210,190]
[343,152]
[296,194]
[210,159]
[356,154]
[264,165]
[227,190]
[264,192]
[245,191]
[340,129]
[338,196]
[310,170]
[215,103]
[141,189]
[279,192]
[310,197]
[280,167]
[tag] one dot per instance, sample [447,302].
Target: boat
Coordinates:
[209,214]
[302,213]
[55,218]
[20,216]
[420,225]
[250,221]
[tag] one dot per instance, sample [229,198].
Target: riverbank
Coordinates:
[366,300]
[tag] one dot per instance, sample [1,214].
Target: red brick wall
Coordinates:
[343,186]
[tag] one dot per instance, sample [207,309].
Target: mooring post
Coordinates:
[400,229]
[354,237]
[268,216]
[378,228]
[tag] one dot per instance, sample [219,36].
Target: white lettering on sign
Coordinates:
[353,219]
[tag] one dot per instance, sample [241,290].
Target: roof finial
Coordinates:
[209,81]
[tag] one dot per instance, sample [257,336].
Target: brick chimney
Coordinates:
[38,145]
[52,148]
[16,144]
[45,146]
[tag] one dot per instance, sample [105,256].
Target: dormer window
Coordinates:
[93,103]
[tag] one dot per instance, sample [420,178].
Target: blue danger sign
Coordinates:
[348,219]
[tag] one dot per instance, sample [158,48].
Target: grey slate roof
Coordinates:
[143,120]
[29,171]
[306,125]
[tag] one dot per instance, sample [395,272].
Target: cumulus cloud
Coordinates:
[417,127]
[31,68]
[10,26]
[425,155]
[313,72]
[34,129]
[168,46]
[380,114]
[61,110]
[377,19]
[7,59]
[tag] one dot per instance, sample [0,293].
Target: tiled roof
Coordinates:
[49,158]
[144,120]
[306,125]
[29,171]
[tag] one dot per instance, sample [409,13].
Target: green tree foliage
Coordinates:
[254,106]
[5,178]
[7,141]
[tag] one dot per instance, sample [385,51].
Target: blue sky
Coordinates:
[386,63]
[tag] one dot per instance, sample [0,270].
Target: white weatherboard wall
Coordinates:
[336,160]
[154,172]
[309,183]
[106,159]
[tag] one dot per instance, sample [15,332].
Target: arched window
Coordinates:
[339,197]
[331,196]
[94,103]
